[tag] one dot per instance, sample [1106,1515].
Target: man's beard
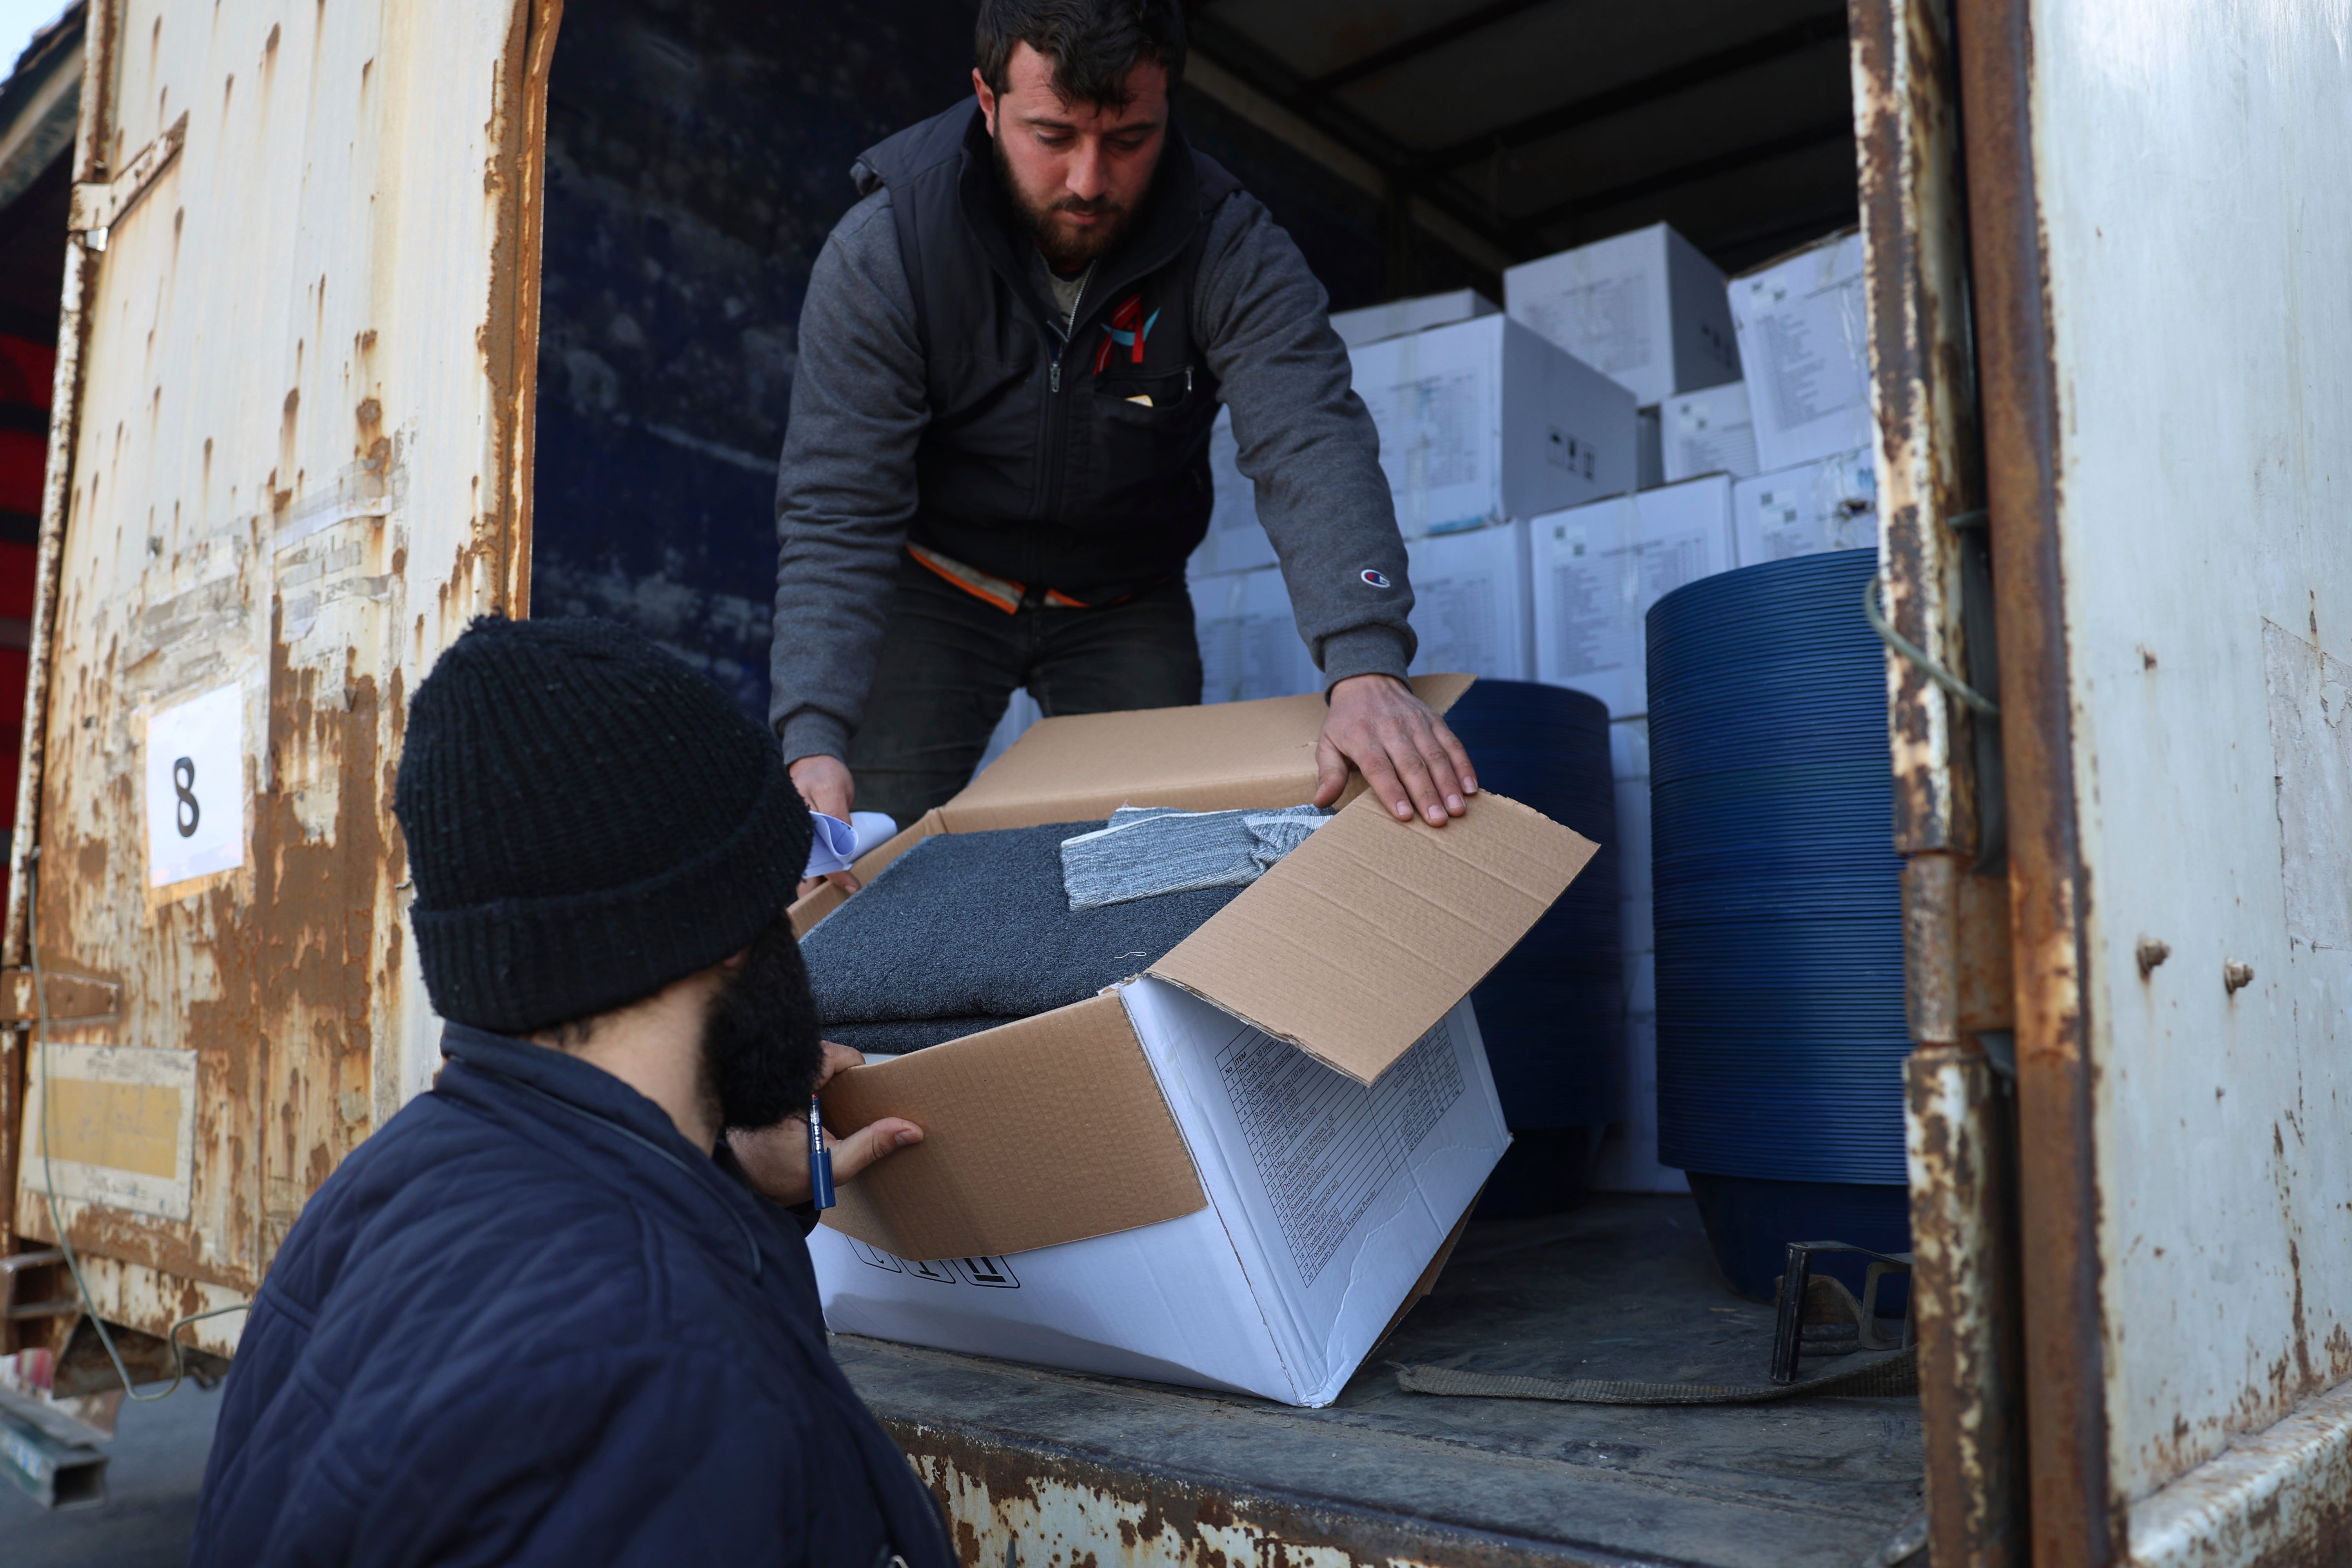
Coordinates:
[1065,251]
[761,1051]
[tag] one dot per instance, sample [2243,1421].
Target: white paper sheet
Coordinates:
[196,787]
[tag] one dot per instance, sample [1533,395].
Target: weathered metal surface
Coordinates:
[2157,247]
[1033,1503]
[1958,1136]
[298,462]
[1947,785]
[1923,394]
[2277,1499]
[2073,1511]
[81,272]
[2196,231]
[1958,975]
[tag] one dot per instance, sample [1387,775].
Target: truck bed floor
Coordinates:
[1051,1468]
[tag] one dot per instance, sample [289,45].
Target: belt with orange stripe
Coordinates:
[1001,591]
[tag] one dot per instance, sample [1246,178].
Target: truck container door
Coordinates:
[292,462]
[2162,232]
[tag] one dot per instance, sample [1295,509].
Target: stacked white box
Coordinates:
[1598,570]
[1236,541]
[1646,307]
[1803,337]
[1472,611]
[1483,421]
[1249,638]
[1649,450]
[1709,432]
[1398,317]
[1828,505]
[1628,1161]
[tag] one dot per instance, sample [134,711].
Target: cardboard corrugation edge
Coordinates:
[1355,983]
[1082,767]
[1043,1132]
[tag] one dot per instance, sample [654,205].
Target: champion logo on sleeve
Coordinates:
[1374,578]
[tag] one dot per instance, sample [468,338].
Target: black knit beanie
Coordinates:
[588,819]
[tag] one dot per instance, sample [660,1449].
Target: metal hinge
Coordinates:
[98,204]
[13,1269]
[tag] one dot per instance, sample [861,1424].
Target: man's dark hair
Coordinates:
[1094,44]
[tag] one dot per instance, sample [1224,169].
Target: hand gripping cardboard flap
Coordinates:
[1054,1129]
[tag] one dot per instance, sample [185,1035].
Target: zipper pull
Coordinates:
[1054,373]
[1187,380]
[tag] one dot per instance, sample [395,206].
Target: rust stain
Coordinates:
[2076,1517]
[1033,1504]
[507,339]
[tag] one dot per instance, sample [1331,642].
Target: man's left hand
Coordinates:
[776,1159]
[1405,751]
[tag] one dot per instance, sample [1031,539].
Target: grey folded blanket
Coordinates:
[1147,851]
[976,925]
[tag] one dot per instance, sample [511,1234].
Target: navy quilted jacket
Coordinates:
[527,1322]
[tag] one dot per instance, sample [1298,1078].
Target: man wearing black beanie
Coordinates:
[555,1310]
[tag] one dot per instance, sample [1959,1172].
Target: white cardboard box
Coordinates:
[1483,421]
[1327,1199]
[1803,339]
[1709,432]
[1828,505]
[1470,607]
[1398,317]
[1260,1146]
[1249,646]
[1236,541]
[1598,570]
[1649,449]
[1646,307]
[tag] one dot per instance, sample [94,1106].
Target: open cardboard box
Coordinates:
[1233,1170]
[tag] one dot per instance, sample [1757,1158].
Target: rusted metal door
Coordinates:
[2161,233]
[1945,741]
[292,460]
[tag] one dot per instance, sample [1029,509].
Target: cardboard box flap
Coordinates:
[1046,1131]
[1364,938]
[1211,758]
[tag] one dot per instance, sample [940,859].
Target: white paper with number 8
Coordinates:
[196,787]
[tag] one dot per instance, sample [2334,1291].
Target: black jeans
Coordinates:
[949,663]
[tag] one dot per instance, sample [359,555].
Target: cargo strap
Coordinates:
[1894,1375]
[1001,591]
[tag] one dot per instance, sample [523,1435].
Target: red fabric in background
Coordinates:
[27,371]
[12,712]
[16,580]
[22,455]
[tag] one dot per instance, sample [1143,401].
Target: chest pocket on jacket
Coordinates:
[1143,448]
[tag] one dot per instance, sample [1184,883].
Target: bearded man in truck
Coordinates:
[1011,355]
[559,1309]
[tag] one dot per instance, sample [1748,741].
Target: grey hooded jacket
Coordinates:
[873,413]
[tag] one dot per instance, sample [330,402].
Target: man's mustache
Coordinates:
[1094,206]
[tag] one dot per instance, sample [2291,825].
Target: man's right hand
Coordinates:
[825,785]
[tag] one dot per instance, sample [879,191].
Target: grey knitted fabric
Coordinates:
[898,1036]
[1147,851]
[969,925]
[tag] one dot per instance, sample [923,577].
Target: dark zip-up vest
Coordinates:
[1038,464]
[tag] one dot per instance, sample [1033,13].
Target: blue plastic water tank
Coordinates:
[1553,1013]
[1778,910]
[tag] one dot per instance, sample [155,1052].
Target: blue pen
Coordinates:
[820,1158]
